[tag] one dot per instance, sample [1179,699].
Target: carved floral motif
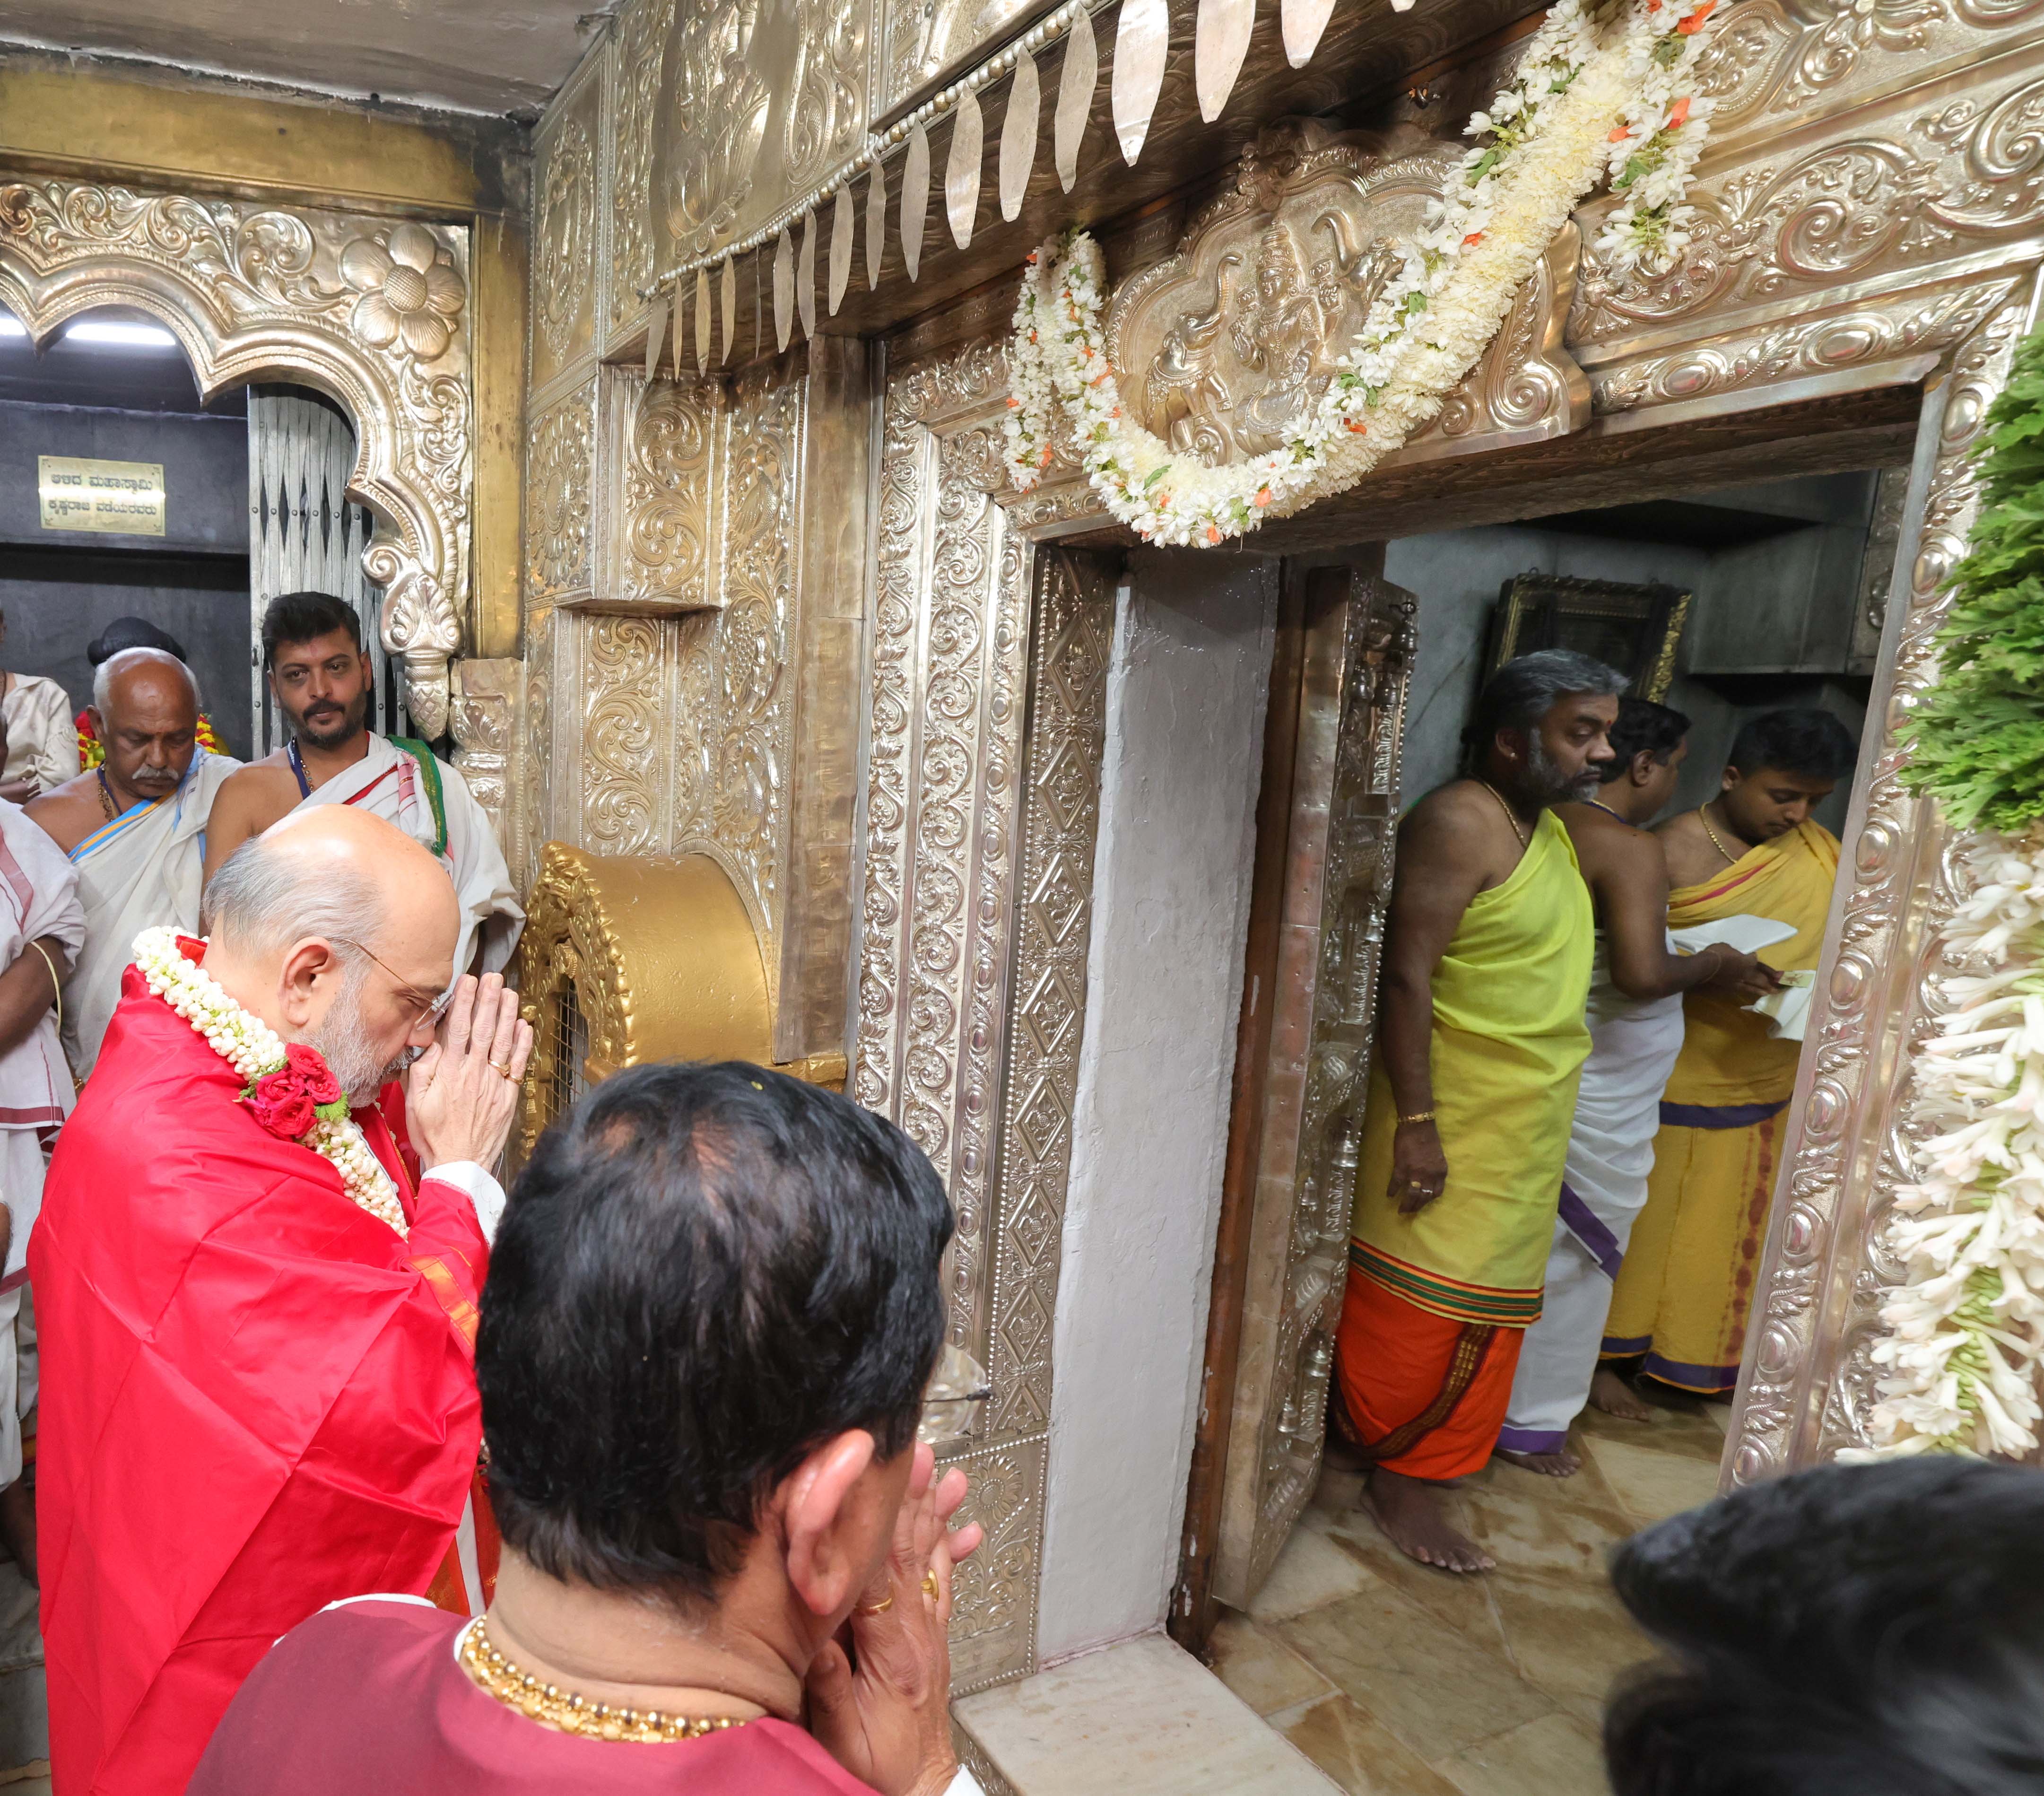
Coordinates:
[666,480]
[411,291]
[557,499]
[623,661]
[564,234]
[642,37]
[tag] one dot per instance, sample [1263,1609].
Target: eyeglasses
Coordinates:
[428,1012]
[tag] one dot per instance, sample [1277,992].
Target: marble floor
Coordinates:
[1397,1680]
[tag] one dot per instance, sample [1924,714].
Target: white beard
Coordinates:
[342,1042]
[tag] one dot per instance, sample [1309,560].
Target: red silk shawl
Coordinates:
[255,1398]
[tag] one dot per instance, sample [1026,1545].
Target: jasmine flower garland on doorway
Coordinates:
[1967,1322]
[1596,96]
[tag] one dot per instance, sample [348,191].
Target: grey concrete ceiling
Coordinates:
[472,55]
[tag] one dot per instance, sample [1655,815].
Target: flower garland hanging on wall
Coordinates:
[1596,96]
[1961,1362]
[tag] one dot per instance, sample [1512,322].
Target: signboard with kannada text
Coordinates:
[124,498]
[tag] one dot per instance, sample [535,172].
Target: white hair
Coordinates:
[103,677]
[268,895]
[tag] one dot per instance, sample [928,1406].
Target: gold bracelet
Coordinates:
[56,984]
[1419,1116]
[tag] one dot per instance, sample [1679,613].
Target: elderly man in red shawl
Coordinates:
[258,1317]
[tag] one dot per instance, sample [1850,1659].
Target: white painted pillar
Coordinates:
[1185,695]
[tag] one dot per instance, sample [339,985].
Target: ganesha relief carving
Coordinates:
[1224,347]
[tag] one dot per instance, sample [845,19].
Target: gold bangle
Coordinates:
[56,984]
[1419,1116]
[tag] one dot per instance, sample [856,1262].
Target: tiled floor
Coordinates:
[1400,1681]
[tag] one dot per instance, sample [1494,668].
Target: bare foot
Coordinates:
[17,1526]
[1409,1510]
[1610,1393]
[1561,1464]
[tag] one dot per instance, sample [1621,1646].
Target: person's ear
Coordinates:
[1508,744]
[98,722]
[305,964]
[823,1567]
[1643,767]
[1730,780]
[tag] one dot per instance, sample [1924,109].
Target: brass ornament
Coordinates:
[962,169]
[1077,80]
[1018,133]
[1141,41]
[876,223]
[656,328]
[805,277]
[915,203]
[1220,41]
[842,227]
[784,289]
[1302,22]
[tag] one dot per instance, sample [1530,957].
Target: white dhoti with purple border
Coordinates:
[1633,1046]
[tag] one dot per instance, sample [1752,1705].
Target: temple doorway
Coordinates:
[1725,605]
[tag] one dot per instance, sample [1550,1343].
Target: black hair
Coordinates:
[1524,690]
[1806,741]
[704,1273]
[1643,727]
[299,617]
[1873,1630]
[131,633]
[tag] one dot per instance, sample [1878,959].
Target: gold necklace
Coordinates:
[1511,816]
[498,1676]
[1703,818]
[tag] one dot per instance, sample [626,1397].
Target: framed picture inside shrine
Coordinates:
[1634,628]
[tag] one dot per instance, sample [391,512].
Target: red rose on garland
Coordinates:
[301,1092]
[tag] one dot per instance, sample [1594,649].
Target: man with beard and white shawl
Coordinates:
[134,827]
[42,927]
[1487,956]
[321,682]
[256,1273]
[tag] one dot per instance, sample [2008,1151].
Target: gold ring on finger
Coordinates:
[879,1607]
[501,1071]
[931,1589]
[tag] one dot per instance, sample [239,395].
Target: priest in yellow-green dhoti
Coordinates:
[1487,969]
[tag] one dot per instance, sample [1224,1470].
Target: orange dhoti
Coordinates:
[1417,1394]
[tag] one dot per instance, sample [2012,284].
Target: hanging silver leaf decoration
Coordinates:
[783,290]
[961,170]
[1303,21]
[702,320]
[1018,133]
[728,298]
[1142,37]
[914,198]
[805,275]
[1220,41]
[656,328]
[876,225]
[1075,89]
[840,255]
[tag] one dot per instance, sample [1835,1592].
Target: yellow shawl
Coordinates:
[1728,1056]
[1509,1043]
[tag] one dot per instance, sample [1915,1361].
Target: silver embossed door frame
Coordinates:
[985,722]
[1807,1387]
[373,311]
[1307,1094]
